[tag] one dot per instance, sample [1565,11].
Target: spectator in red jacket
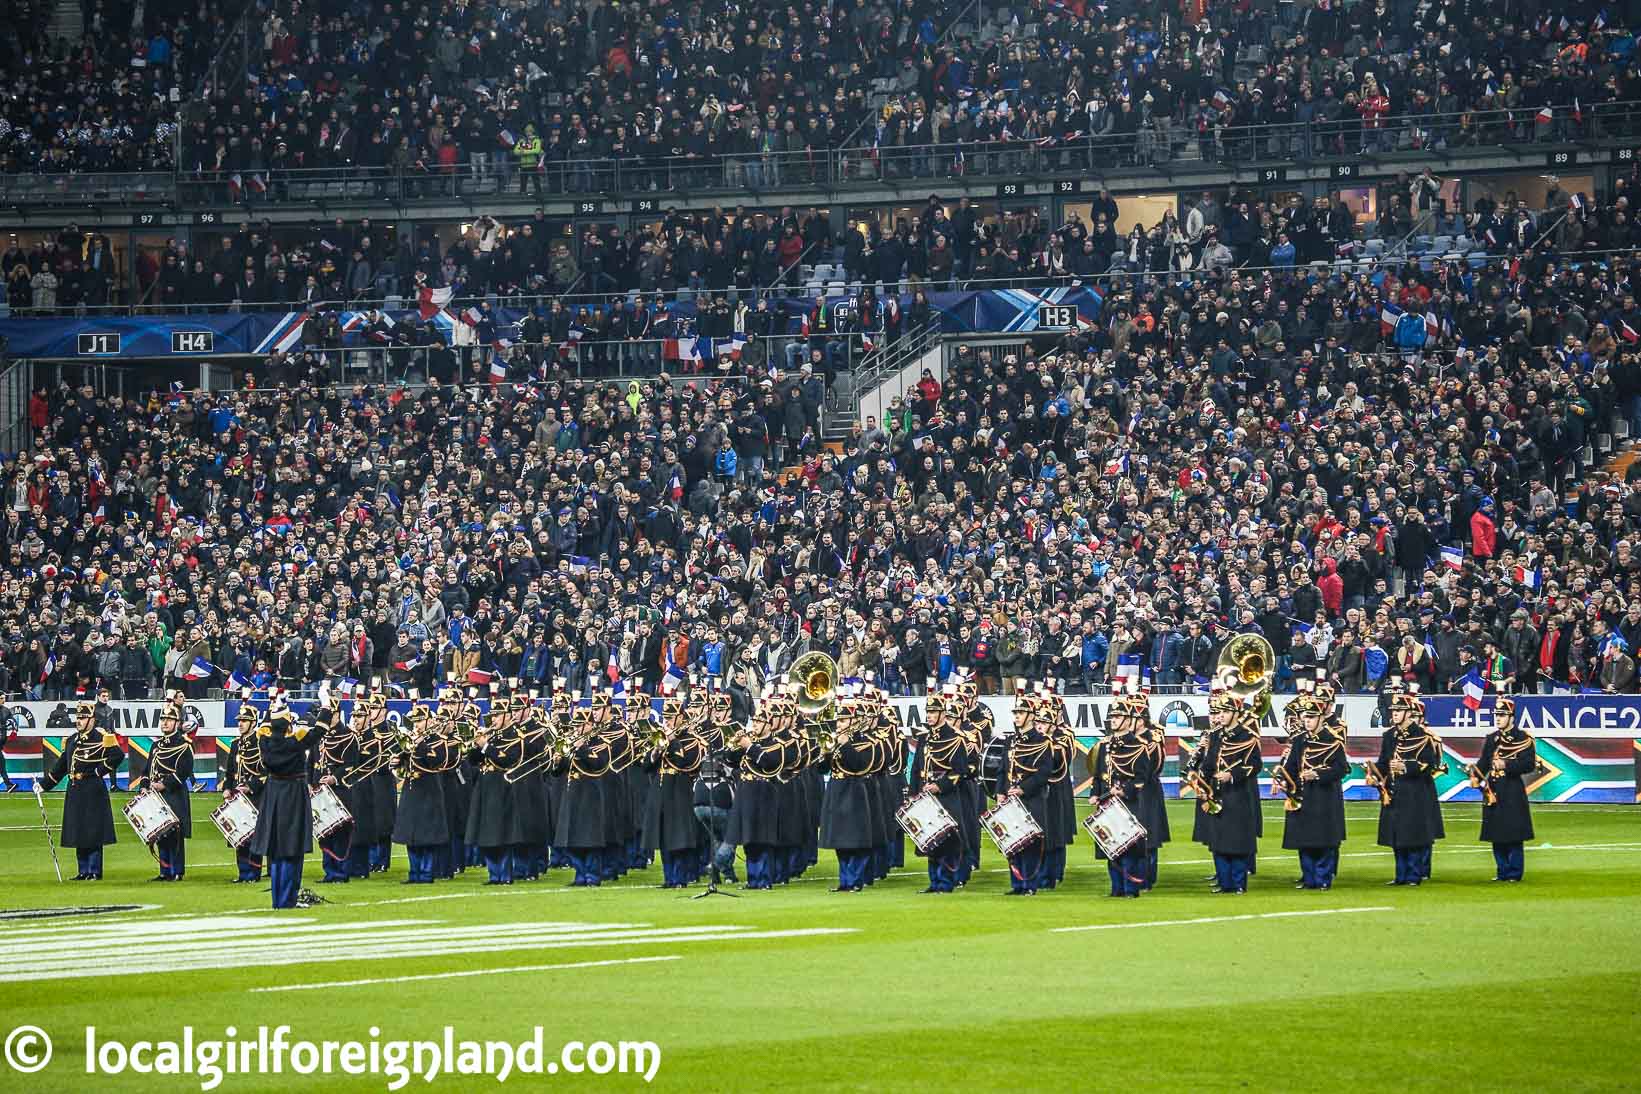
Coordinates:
[1484,534]
[1332,587]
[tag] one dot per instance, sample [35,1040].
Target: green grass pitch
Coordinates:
[1461,984]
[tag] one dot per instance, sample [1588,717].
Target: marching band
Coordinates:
[602,785]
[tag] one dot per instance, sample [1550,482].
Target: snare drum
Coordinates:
[329,814]
[1114,827]
[235,818]
[926,821]
[1011,825]
[151,817]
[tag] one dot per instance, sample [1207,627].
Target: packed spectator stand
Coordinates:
[1380,445]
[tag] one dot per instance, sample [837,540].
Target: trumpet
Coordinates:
[1292,789]
[1375,776]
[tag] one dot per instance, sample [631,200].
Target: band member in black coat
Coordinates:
[356,785]
[384,795]
[89,756]
[8,732]
[581,829]
[1233,833]
[943,765]
[284,826]
[670,826]
[1508,757]
[1120,765]
[340,755]
[854,753]
[614,789]
[493,753]
[1152,810]
[1410,814]
[1030,763]
[889,783]
[242,773]
[1062,795]
[423,825]
[974,723]
[528,834]
[169,769]
[758,756]
[458,793]
[1310,774]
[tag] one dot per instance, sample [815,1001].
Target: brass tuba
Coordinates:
[813,680]
[1246,667]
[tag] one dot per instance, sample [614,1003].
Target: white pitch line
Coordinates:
[1215,919]
[297,944]
[159,963]
[470,972]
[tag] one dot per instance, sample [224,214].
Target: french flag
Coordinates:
[1474,689]
[1389,316]
[1453,558]
[672,680]
[498,369]
[1117,466]
[431,301]
[612,668]
[1128,669]
[1627,332]
[199,670]
[1526,578]
[410,665]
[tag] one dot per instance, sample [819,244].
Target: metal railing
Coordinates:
[1168,143]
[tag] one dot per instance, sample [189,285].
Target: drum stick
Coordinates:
[45,824]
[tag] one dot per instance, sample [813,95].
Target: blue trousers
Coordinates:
[797,861]
[1127,872]
[286,874]
[588,863]
[852,867]
[524,862]
[680,867]
[172,852]
[897,853]
[335,855]
[358,859]
[457,859]
[1231,872]
[760,870]
[381,854]
[90,861]
[1412,864]
[946,865]
[421,863]
[499,863]
[1026,868]
[1054,867]
[1318,866]
[612,861]
[250,866]
[475,854]
[1511,860]
[1150,868]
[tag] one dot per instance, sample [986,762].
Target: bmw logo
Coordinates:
[1176,718]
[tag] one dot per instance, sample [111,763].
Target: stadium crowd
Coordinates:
[1384,470]
[497,91]
[619,280]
